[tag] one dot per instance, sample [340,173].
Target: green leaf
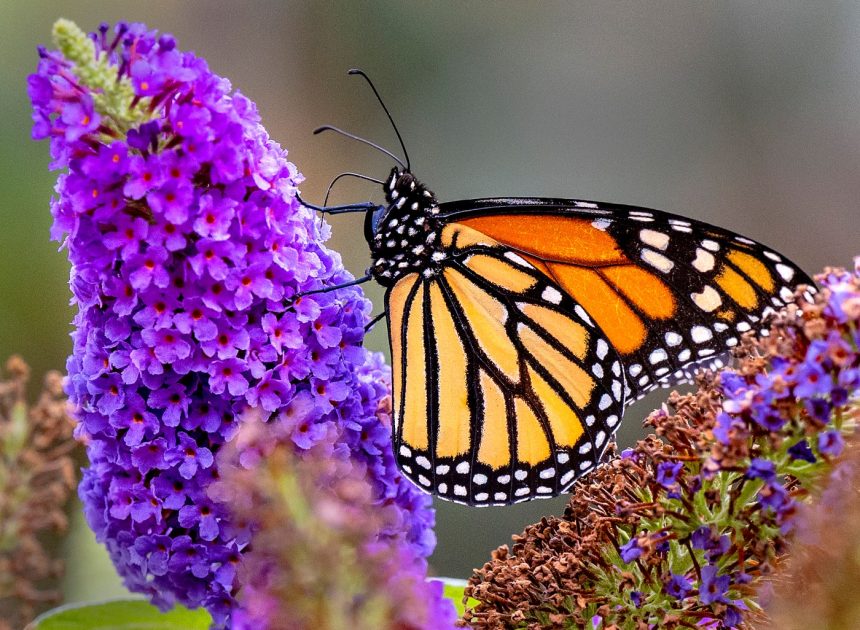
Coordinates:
[454,590]
[121,614]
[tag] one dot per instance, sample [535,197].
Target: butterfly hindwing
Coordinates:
[504,388]
[669,293]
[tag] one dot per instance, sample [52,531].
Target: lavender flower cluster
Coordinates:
[189,250]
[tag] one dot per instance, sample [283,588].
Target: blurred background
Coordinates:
[746,115]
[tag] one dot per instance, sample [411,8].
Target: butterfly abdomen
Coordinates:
[404,234]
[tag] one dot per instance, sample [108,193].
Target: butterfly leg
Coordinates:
[336,287]
[374,321]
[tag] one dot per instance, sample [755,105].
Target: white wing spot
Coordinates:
[673,339]
[584,204]
[601,224]
[567,478]
[462,468]
[635,369]
[612,420]
[731,342]
[460,491]
[585,448]
[590,420]
[704,261]
[544,490]
[658,356]
[684,355]
[600,439]
[514,257]
[773,256]
[602,349]
[482,496]
[785,271]
[585,465]
[521,492]
[616,368]
[520,475]
[711,245]
[706,352]
[743,326]
[562,458]
[616,390]
[582,314]
[442,469]
[744,240]
[404,451]
[547,473]
[503,479]
[423,462]
[423,480]
[700,334]
[500,496]
[443,488]
[662,371]
[597,370]
[655,239]
[479,479]
[721,327]
[605,402]
[551,295]
[656,260]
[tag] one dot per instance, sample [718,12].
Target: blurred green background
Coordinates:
[742,114]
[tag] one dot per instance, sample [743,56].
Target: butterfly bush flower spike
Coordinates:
[187,248]
[684,529]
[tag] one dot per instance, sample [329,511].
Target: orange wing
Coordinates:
[669,293]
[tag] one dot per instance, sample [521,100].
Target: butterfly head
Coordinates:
[402,233]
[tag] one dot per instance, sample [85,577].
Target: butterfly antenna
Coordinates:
[348,174]
[362,140]
[387,113]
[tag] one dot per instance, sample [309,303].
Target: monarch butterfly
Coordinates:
[520,328]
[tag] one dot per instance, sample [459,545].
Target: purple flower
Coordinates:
[830,443]
[631,550]
[713,587]
[186,241]
[762,469]
[801,450]
[678,586]
[667,473]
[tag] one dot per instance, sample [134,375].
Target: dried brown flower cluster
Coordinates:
[549,572]
[680,530]
[37,476]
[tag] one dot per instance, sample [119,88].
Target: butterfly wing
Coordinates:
[670,293]
[504,389]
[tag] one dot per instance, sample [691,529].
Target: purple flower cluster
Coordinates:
[823,378]
[188,249]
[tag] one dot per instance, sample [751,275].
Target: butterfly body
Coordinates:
[520,328]
[403,234]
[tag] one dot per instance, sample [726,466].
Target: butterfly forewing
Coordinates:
[670,294]
[505,390]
